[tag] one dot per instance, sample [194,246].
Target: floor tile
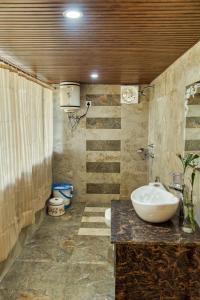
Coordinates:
[33,275]
[31,294]
[91,250]
[92,219]
[83,274]
[59,264]
[94,231]
[48,251]
[24,295]
[95,209]
[94,225]
[96,282]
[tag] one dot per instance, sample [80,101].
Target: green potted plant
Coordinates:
[190,166]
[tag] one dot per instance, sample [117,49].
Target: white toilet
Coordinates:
[108,217]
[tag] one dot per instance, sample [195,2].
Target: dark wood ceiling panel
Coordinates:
[125,41]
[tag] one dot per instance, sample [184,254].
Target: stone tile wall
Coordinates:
[192,132]
[167,118]
[100,157]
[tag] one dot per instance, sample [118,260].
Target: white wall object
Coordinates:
[129,94]
[70,96]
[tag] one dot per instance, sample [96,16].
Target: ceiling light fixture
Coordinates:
[94,75]
[72,14]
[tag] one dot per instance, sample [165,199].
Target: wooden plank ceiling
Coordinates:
[125,41]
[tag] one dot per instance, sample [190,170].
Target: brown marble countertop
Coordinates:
[127,227]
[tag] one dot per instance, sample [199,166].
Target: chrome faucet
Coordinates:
[147,152]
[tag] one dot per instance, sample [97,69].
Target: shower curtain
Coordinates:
[26,131]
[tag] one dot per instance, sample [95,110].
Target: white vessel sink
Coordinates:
[154,204]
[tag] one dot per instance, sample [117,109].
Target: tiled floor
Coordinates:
[92,222]
[69,258]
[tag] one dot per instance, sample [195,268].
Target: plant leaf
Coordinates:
[195,156]
[188,159]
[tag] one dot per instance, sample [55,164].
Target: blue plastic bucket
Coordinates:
[63,190]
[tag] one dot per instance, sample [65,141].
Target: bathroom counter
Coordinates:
[153,261]
[127,227]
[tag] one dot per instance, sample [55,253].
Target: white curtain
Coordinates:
[25,154]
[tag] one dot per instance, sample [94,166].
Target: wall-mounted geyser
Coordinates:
[70,102]
[70,96]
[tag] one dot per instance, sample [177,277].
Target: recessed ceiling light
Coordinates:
[72,14]
[94,75]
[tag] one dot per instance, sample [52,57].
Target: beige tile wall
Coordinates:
[70,155]
[167,120]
